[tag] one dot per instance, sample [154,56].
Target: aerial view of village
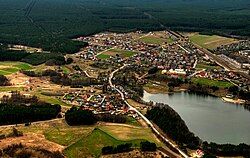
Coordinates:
[124,78]
[105,83]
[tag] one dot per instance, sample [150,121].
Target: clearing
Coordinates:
[210,41]
[79,141]
[155,40]
[7,68]
[210,82]
[114,52]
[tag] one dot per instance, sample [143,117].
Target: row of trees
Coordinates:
[144,146]
[22,109]
[117,149]
[33,58]
[76,116]
[21,113]
[226,149]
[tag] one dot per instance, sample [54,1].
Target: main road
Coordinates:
[150,124]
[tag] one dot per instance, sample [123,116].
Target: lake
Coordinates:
[209,117]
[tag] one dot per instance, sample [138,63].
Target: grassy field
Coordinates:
[67,135]
[103,56]
[92,144]
[6,88]
[127,133]
[205,66]
[87,141]
[210,41]
[51,99]
[114,52]
[155,88]
[65,70]
[152,40]
[7,68]
[209,82]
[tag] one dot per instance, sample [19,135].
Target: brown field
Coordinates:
[32,140]
[136,153]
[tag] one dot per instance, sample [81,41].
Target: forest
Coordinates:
[51,24]
[172,124]
[19,108]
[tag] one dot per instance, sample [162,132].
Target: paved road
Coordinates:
[140,114]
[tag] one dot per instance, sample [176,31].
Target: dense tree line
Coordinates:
[7,55]
[226,149]
[148,146]
[21,113]
[111,118]
[17,98]
[172,124]
[32,58]
[76,116]
[228,17]
[202,89]
[22,109]
[117,149]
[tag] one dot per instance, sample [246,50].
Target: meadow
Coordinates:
[86,141]
[210,41]
[114,52]
[7,68]
[210,82]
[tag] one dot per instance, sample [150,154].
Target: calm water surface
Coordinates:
[209,117]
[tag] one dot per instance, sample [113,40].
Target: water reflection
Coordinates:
[209,117]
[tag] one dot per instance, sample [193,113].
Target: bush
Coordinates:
[3,81]
[107,150]
[147,146]
[118,149]
[75,116]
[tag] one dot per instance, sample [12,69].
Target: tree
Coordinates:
[69,60]
[3,80]
[75,116]
[147,146]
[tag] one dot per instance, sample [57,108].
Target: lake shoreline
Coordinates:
[218,112]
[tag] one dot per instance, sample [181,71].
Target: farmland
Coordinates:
[7,68]
[114,52]
[152,40]
[210,41]
[210,82]
[38,24]
[81,141]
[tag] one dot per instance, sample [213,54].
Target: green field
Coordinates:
[7,68]
[67,135]
[152,40]
[209,82]
[92,144]
[51,99]
[205,66]
[65,70]
[210,41]
[103,56]
[87,141]
[114,52]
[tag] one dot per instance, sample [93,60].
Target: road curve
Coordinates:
[140,114]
